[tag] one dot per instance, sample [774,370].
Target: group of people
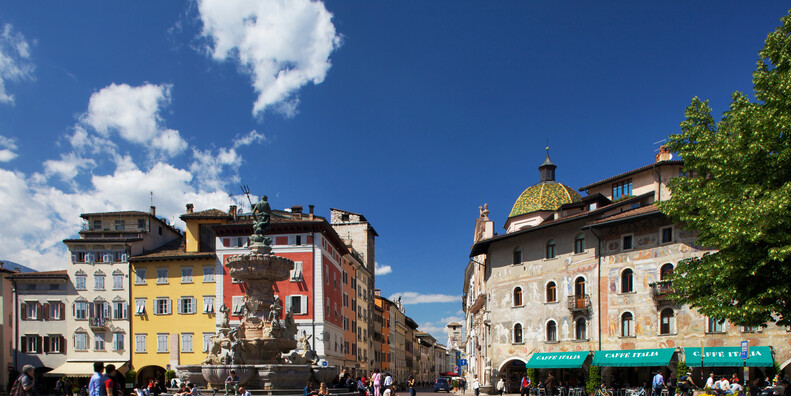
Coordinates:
[525,385]
[103,382]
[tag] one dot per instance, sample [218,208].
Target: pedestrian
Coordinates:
[501,386]
[232,383]
[96,382]
[657,384]
[524,385]
[388,380]
[550,383]
[242,391]
[108,381]
[476,385]
[411,384]
[323,391]
[24,384]
[376,378]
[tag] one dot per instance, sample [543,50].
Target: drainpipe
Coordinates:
[16,323]
[598,277]
[313,263]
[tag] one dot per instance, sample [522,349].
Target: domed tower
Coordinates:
[540,200]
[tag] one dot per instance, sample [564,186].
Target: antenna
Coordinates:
[659,142]
[152,198]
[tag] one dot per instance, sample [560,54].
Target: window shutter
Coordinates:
[38,344]
[106,307]
[46,344]
[125,310]
[288,304]
[304,301]
[226,242]
[194,305]
[180,306]
[62,311]
[23,313]
[24,344]
[123,256]
[63,345]
[45,311]
[169,308]
[91,307]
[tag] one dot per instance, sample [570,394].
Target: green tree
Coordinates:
[738,197]
[594,379]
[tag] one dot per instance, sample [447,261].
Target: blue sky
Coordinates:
[412,113]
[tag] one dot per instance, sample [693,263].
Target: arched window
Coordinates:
[517,296]
[517,333]
[627,324]
[667,321]
[579,243]
[665,271]
[551,249]
[552,292]
[581,329]
[579,287]
[552,331]
[517,255]
[627,285]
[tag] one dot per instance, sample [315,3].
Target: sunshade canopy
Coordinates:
[548,360]
[634,358]
[759,356]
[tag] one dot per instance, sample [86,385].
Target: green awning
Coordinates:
[760,356]
[634,358]
[547,360]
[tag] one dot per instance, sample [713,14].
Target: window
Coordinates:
[207,341]
[345,299]
[120,256]
[140,306]
[31,344]
[81,341]
[714,326]
[552,331]
[186,274]
[186,342]
[80,310]
[208,304]
[187,305]
[120,310]
[621,189]
[79,281]
[552,294]
[296,273]
[667,234]
[208,273]
[97,224]
[550,249]
[162,275]
[162,306]
[118,281]
[55,344]
[751,329]
[98,281]
[298,240]
[141,224]
[667,321]
[518,296]
[627,325]
[55,310]
[98,341]
[517,333]
[140,343]
[517,255]
[581,329]
[236,305]
[31,310]
[626,242]
[627,285]
[162,342]
[665,271]
[120,225]
[118,341]
[579,244]
[140,276]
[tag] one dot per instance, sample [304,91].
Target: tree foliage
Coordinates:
[738,197]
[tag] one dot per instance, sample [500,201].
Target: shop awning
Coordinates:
[634,358]
[760,356]
[76,369]
[547,360]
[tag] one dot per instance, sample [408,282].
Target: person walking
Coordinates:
[501,386]
[476,386]
[657,384]
[376,378]
[411,384]
[24,384]
[96,382]
[108,382]
[524,385]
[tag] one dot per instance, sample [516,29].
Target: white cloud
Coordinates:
[132,113]
[212,168]
[67,166]
[282,44]
[8,146]
[15,64]
[381,270]
[418,298]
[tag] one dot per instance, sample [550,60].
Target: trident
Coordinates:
[246,191]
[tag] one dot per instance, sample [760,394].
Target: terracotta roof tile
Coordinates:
[631,172]
[641,211]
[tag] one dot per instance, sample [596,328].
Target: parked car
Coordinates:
[442,384]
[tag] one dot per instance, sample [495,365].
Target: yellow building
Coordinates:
[173,306]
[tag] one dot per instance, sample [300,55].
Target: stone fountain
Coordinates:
[259,348]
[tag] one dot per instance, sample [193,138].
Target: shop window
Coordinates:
[517,333]
[627,281]
[581,329]
[518,296]
[627,324]
[552,292]
[579,244]
[550,249]
[552,331]
[667,321]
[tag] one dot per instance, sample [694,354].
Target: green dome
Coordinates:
[547,195]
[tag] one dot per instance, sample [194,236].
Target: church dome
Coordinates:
[546,195]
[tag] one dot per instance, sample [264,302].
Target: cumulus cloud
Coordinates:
[15,63]
[409,297]
[67,166]
[209,166]
[7,147]
[132,113]
[282,44]
[382,269]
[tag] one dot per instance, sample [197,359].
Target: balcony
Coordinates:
[579,303]
[99,323]
[661,290]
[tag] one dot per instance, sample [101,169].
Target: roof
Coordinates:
[102,240]
[547,195]
[207,214]
[631,172]
[642,211]
[129,213]
[362,218]
[173,250]
[454,324]
[60,274]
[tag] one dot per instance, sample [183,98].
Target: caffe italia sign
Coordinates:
[634,358]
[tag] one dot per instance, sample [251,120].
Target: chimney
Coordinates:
[232,211]
[377,292]
[664,154]
[190,208]
[310,208]
[296,211]
[153,211]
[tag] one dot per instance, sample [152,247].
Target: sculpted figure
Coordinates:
[274,311]
[226,320]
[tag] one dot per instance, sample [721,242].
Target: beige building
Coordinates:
[575,278]
[6,322]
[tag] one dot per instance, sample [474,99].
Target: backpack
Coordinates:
[17,390]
